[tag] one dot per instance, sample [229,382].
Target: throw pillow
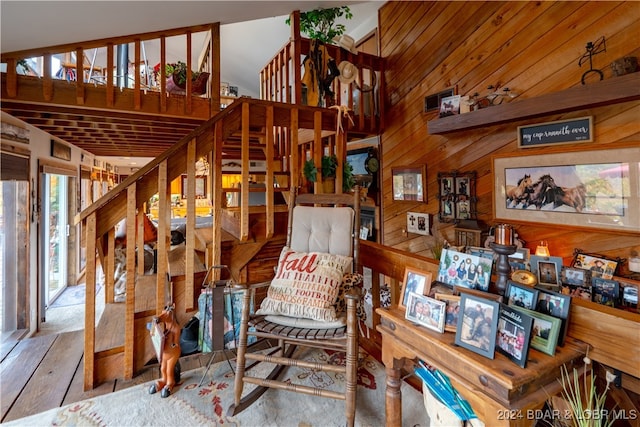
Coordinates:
[349,282]
[306,285]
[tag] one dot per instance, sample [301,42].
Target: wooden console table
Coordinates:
[499,391]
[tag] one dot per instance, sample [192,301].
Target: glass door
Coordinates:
[55,232]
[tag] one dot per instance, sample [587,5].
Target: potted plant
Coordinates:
[328,167]
[319,24]
[176,73]
[319,68]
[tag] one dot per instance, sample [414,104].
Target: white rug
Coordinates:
[190,405]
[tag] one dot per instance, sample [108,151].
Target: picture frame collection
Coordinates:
[532,313]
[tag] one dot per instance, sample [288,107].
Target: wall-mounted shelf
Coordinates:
[605,92]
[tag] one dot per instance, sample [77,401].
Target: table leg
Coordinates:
[393,403]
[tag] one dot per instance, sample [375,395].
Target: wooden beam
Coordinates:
[110,95]
[129,331]
[137,94]
[217,197]
[109,266]
[191,225]
[244,194]
[79,76]
[164,221]
[47,80]
[90,304]
[269,179]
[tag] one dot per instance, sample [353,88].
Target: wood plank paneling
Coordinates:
[531,47]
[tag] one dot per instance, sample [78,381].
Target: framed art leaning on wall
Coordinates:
[589,189]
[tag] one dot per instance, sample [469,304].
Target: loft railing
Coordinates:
[94,63]
[281,81]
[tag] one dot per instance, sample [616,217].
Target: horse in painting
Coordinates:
[546,191]
[520,193]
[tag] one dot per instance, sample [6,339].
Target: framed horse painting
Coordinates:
[587,189]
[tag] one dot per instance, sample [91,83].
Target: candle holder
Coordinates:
[503,269]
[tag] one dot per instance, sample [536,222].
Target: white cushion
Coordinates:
[322,229]
[298,322]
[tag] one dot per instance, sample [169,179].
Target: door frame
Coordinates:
[57,168]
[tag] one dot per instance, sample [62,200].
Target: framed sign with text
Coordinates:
[555,133]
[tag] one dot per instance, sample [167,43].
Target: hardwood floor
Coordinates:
[44,372]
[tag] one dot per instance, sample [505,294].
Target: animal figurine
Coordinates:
[169,354]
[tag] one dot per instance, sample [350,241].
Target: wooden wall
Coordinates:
[531,47]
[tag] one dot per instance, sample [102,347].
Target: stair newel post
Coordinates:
[129,313]
[269,199]
[217,196]
[317,150]
[90,303]
[244,190]
[190,224]
[164,221]
[294,151]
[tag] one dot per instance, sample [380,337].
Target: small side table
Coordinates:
[503,269]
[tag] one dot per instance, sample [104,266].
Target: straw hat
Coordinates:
[348,43]
[348,72]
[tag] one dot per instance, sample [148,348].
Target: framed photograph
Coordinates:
[514,334]
[464,270]
[582,292]
[60,150]
[544,335]
[409,184]
[481,252]
[416,281]
[418,222]
[14,133]
[450,106]
[589,189]
[452,311]
[534,262]
[629,291]
[426,311]
[520,254]
[518,295]
[575,276]
[478,325]
[459,290]
[548,273]
[201,187]
[605,291]
[598,265]
[457,196]
[556,305]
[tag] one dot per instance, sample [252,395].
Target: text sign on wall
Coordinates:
[559,132]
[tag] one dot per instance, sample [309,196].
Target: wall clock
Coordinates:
[371,163]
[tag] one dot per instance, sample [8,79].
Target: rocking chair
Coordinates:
[328,228]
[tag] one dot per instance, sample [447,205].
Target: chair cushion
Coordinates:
[306,285]
[297,322]
[322,229]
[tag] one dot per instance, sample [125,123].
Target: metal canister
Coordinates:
[504,234]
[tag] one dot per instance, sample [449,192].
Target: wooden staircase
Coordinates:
[179,130]
[245,131]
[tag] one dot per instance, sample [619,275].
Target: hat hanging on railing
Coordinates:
[346,42]
[348,72]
